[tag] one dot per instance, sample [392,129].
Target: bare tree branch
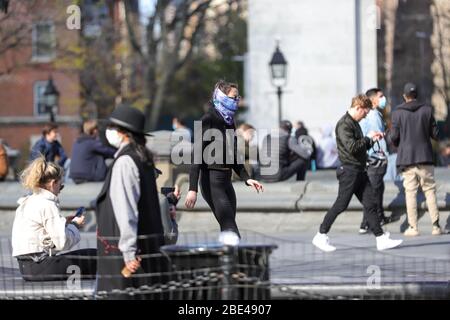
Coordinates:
[132,34]
[193,39]
[173,32]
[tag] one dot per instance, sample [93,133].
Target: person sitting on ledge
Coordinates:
[40,232]
[291,156]
[89,155]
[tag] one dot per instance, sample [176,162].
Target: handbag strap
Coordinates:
[379,148]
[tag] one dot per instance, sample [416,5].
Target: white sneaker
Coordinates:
[322,242]
[436,231]
[384,242]
[229,238]
[411,232]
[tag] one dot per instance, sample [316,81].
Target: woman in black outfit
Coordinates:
[219,159]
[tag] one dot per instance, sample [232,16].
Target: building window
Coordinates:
[38,98]
[95,17]
[43,41]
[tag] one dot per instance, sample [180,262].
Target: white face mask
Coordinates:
[113,137]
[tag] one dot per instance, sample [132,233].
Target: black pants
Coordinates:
[376,176]
[298,167]
[218,192]
[353,182]
[57,267]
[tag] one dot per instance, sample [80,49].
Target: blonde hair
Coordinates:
[39,172]
[361,100]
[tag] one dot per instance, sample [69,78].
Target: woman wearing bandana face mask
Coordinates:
[215,172]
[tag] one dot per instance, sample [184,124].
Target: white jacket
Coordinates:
[38,225]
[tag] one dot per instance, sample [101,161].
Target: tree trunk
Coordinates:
[158,101]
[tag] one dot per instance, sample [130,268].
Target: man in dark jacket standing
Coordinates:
[352,175]
[88,155]
[413,125]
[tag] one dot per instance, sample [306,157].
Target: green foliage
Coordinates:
[193,84]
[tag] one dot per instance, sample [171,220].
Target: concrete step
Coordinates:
[317,193]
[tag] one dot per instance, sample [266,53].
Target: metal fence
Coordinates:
[261,267]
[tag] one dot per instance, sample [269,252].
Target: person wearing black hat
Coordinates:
[413,125]
[215,176]
[129,226]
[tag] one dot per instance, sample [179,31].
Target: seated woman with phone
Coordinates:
[40,232]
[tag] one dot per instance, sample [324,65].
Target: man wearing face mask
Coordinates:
[181,130]
[375,122]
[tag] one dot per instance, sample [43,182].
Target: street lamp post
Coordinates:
[278,72]
[51,97]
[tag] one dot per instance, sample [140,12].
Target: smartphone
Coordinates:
[80,211]
[166,190]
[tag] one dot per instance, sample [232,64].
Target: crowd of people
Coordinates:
[130,230]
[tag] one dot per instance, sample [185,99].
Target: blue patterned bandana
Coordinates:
[225,105]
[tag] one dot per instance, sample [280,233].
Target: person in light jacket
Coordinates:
[40,232]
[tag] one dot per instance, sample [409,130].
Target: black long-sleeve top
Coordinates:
[214,150]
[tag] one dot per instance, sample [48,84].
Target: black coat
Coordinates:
[150,234]
[283,155]
[229,157]
[88,159]
[351,144]
[289,150]
[413,125]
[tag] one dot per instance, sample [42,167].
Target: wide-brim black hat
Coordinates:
[129,118]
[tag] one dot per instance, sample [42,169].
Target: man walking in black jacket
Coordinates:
[413,125]
[352,176]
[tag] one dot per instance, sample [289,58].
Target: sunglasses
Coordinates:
[62,187]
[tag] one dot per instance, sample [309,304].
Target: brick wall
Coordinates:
[18,121]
